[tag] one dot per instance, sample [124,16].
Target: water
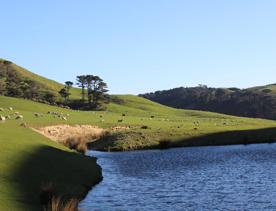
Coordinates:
[203,178]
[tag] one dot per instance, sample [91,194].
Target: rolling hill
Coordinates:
[28,159]
[256,102]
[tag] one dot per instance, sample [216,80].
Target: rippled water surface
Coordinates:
[202,178]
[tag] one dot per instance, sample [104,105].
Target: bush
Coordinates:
[76,143]
[58,205]
[164,144]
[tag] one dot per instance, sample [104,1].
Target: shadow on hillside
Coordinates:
[266,135]
[71,174]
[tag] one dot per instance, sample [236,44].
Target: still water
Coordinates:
[202,178]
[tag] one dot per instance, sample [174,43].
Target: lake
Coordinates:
[201,178]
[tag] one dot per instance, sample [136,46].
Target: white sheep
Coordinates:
[2,118]
[19,117]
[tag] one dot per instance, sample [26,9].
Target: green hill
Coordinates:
[257,102]
[28,160]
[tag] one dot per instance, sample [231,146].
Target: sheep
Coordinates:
[123,114]
[16,113]
[8,117]
[144,127]
[36,114]
[2,118]
[1,109]
[64,118]
[11,108]
[23,124]
[19,117]
[120,120]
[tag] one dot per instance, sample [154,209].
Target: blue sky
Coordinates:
[139,46]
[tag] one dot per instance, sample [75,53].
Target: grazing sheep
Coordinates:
[1,109]
[144,127]
[2,118]
[23,124]
[120,120]
[16,113]
[195,128]
[11,108]
[36,114]
[19,117]
[123,114]
[8,117]
[152,117]
[64,118]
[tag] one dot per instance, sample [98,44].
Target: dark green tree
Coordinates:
[89,80]
[81,81]
[99,91]
[68,85]
[64,93]
[49,97]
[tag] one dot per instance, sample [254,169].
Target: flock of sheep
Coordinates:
[10,114]
[15,115]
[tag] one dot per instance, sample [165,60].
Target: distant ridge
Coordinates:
[257,102]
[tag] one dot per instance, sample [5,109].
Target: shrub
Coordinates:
[77,143]
[82,148]
[58,205]
[164,144]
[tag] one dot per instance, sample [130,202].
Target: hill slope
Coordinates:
[257,102]
[40,83]
[28,159]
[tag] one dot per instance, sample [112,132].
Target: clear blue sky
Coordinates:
[139,46]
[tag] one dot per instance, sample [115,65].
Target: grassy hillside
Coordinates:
[45,84]
[257,102]
[29,160]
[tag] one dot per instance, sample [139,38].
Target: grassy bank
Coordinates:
[28,160]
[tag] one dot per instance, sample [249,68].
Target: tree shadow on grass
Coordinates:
[257,136]
[71,175]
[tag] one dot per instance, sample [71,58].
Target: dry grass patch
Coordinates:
[58,205]
[62,133]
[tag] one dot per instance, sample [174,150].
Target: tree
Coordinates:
[68,85]
[81,81]
[99,90]
[89,80]
[64,93]
[49,97]
[2,86]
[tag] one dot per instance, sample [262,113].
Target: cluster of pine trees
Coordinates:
[93,91]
